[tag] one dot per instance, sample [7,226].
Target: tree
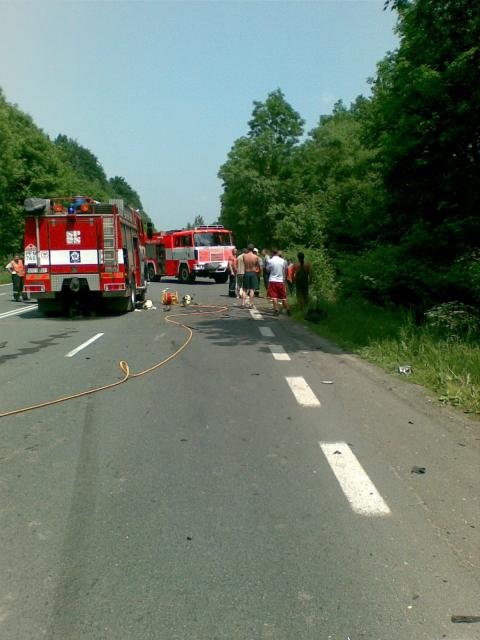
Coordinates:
[198,222]
[257,169]
[426,121]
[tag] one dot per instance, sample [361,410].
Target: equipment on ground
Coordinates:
[169,297]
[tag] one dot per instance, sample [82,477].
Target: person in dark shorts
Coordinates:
[250,279]
[232,274]
[302,279]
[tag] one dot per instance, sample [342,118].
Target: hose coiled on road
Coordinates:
[124,367]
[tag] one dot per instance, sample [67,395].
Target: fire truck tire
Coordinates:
[141,295]
[221,279]
[183,273]
[151,273]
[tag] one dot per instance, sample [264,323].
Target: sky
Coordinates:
[159,91]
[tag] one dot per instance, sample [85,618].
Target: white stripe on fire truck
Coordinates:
[82,346]
[65,257]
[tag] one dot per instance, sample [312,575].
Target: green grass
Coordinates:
[448,367]
[5,277]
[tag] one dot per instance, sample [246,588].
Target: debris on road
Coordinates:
[405,369]
[465,618]
[418,470]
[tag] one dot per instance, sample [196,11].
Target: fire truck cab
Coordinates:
[79,251]
[190,253]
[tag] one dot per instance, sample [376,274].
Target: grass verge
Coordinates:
[448,366]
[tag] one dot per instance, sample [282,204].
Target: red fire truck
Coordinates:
[189,253]
[79,251]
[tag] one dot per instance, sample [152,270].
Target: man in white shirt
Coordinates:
[277,277]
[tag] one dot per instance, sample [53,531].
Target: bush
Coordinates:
[455,320]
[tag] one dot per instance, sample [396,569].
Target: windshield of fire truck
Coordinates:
[212,239]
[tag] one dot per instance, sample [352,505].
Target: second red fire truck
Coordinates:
[189,253]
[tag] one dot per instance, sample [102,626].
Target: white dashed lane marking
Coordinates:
[256,315]
[278,352]
[266,332]
[359,490]
[16,312]
[82,346]
[302,392]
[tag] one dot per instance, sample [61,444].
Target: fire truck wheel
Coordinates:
[151,273]
[183,274]
[221,279]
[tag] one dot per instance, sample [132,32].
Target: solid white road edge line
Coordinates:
[16,312]
[82,346]
[302,392]
[278,352]
[359,490]
[266,332]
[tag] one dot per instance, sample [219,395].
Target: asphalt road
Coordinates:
[258,486]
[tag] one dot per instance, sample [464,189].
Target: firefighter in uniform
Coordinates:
[17,270]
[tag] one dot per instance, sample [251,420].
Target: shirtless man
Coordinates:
[250,279]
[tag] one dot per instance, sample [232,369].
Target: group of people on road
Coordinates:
[246,269]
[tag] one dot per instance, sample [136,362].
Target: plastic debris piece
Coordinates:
[418,470]
[327,381]
[465,618]
[405,369]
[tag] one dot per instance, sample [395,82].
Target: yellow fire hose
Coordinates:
[124,365]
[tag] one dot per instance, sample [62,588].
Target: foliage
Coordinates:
[386,188]
[256,173]
[425,121]
[32,165]
[454,319]
[199,221]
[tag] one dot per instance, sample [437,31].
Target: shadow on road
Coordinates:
[236,327]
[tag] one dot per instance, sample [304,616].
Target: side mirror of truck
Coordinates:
[149,230]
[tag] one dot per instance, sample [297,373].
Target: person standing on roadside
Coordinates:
[266,258]
[277,277]
[290,276]
[250,279]
[302,279]
[232,273]
[259,272]
[240,273]
[17,270]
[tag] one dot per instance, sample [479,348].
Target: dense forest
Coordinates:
[384,195]
[31,164]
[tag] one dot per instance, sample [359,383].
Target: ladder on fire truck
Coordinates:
[110,253]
